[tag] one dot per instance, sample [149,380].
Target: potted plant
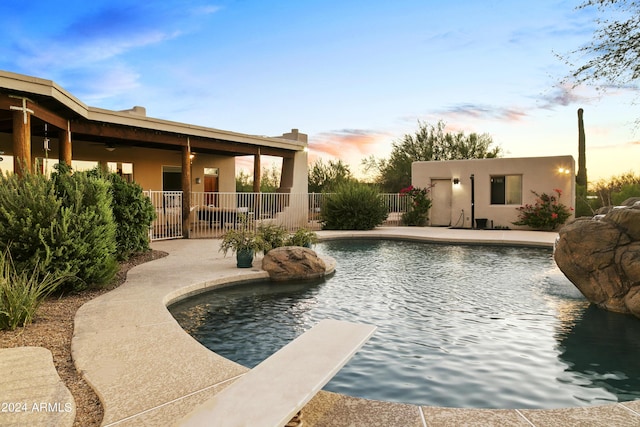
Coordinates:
[243,241]
[302,237]
[272,236]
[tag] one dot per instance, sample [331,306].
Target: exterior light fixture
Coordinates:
[109,147]
[565,171]
[456,181]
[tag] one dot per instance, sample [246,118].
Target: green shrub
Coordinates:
[626,191]
[29,220]
[63,227]
[302,237]
[353,206]
[417,213]
[133,213]
[272,236]
[87,220]
[546,214]
[22,293]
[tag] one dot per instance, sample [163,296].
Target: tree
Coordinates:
[428,143]
[617,189]
[612,55]
[324,177]
[269,181]
[244,182]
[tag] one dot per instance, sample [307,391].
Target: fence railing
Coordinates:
[213,213]
[168,207]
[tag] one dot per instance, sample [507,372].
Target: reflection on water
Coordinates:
[233,321]
[461,326]
[601,349]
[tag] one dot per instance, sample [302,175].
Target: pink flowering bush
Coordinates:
[418,206]
[546,214]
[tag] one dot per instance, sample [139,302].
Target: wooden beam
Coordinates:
[8,103]
[175,140]
[47,116]
[21,142]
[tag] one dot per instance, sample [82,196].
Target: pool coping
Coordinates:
[117,335]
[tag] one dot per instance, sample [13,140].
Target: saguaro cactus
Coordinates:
[581,179]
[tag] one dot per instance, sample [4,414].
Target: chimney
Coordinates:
[136,111]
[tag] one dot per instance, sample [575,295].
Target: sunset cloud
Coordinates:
[348,142]
[483,111]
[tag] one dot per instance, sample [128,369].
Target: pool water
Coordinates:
[458,326]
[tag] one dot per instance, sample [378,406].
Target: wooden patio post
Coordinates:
[64,146]
[186,189]
[256,172]
[257,208]
[21,140]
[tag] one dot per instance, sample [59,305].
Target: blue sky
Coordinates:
[354,75]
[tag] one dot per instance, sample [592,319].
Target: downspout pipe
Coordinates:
[473,202]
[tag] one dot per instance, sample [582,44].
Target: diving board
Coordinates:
[273,392]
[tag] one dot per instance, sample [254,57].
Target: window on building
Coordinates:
[171,178]
[506,190]
[125,170]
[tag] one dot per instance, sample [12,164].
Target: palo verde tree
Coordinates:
[611,59]
[324,177]
[269,180]
[428,143]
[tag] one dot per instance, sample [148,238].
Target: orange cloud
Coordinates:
[347,143]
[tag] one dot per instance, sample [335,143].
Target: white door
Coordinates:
[440,212]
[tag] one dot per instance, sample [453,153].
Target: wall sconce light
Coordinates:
[456,181]
[565,171]
[198,180]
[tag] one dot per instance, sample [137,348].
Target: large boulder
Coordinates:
[602,258]
[293,262]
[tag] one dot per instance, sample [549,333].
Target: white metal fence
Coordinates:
[168,207]
[213,213]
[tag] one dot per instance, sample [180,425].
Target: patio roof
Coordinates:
[49,103]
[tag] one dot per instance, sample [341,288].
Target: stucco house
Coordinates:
[484,193]
[41,121]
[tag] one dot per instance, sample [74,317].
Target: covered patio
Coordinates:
[40,122]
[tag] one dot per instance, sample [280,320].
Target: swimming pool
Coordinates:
[458,326]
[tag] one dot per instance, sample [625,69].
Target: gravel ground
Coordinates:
[53,328]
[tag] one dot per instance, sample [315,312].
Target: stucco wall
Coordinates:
[541,174]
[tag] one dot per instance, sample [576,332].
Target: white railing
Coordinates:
[213,213]
[168,208]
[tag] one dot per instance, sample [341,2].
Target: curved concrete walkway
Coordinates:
[148,371]
[31,391]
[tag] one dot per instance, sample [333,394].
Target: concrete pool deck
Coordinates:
[148,371]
